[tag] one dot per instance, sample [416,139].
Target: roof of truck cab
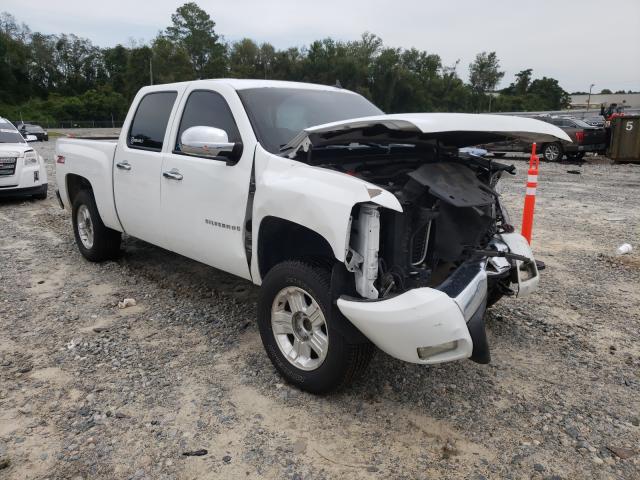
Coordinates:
[244,84]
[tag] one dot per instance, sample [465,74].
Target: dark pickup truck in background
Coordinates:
[30,129]
[585,138]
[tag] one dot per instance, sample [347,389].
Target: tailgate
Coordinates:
[594,136]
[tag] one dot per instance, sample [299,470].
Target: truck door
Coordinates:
[204,200]
[137,168]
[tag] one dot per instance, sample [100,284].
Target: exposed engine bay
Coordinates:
[451,213]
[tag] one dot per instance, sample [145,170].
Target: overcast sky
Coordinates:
[578,42]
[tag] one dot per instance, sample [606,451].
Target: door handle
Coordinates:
[123,165]
[173,174]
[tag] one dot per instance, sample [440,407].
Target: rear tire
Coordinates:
[95,241]
[552,152]
[308,351]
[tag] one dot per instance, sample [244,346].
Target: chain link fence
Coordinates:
[75,123]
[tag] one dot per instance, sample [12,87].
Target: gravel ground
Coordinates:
[91,391]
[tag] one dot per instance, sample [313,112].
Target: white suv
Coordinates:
[22,170]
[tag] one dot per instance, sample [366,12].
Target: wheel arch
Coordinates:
[74,184]
[280,239]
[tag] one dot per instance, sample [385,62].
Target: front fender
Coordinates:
[317,198]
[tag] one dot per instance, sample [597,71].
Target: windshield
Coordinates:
[8,134]
[279,114]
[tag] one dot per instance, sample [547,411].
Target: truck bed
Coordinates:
[91,158]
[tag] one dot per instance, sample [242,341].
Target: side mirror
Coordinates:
[210,142]
[31,138]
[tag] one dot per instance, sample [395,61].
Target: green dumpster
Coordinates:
[625,139]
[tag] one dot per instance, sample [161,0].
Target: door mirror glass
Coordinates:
[209,142]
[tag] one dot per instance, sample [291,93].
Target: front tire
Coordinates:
[95,241]
[297,325]
[552,152]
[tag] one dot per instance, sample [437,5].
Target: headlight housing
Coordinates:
[30,158]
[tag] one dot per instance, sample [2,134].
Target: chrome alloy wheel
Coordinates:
[552,152]
[85,226]
[299,328]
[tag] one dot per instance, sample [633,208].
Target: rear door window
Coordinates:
[150,121]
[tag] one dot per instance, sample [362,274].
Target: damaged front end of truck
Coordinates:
[416,281]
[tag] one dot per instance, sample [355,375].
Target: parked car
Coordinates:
[22,170]
[30,129]
[584,138]
[595,121]
[367,228]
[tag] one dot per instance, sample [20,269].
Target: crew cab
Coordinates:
[361,228]
[584,138]
[22,170]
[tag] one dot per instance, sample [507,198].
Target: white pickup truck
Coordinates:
[361,228]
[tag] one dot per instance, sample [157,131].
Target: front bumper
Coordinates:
[21,191]
[436,325]
[26,179]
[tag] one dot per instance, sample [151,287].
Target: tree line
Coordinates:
[64,77]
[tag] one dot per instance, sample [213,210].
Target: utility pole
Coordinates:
[150,70]
[589,97]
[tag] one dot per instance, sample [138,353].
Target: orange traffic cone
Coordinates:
[530,197]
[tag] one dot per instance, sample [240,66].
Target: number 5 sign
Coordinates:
[629,126]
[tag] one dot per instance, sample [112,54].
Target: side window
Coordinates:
[208,109]
[150,121]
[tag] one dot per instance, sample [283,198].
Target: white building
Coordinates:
[629,100]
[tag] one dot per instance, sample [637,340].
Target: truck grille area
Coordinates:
[7,166]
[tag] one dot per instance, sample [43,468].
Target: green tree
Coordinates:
[287,64]
[606,91]
[138,74]
[552,96]
[526,95]
[115,61]
[266,56]
[484,76]
[521,84]
[170,62]
[194,30]
[243,59]
[67,77]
